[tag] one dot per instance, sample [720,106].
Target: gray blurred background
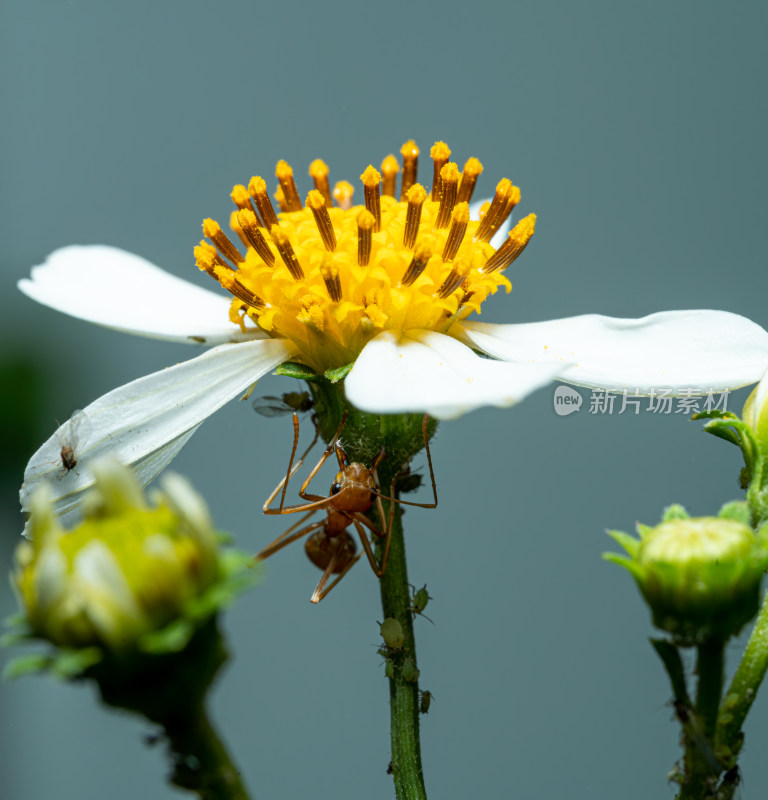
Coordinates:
[637,134]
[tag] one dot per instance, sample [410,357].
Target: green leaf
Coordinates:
[293,369]
[338,373]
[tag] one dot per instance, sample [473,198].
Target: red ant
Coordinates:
[330,546]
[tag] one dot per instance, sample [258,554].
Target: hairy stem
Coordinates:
[403,693]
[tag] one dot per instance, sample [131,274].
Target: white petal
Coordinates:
[501,234]
[427,371]
[700,351]
[146,422]
[122,291]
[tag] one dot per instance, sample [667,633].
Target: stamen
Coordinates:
[440,153]
[257,188]
[316,202]
[410,153]
[242,199]
[506,198]
[417,194]
[318,171]
[237,228]
[472,171]
[516,242]
[330,274]
[342,194]
[212,230]
[449,181]
[252,232]
[421,256]
[456,277]
[280,197]
[459,221]
[284,173]
[207,259]
[365,225]
[389,169]
[371,179]
[287,253]
[236,288]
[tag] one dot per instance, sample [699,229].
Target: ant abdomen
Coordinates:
[322,549]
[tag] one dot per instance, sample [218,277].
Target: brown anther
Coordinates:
[213,231]
[366,222]
[284,173]
[330,275]
[287,253]
[257,188]
[416,196]
[242,293]
[455,278]
[389,170]
[237,228]
[342,194]
[440,154]
[371,179]
[516,242]
[318,171]
[280,198]
[410,153]
[497,212]
[255,237]
[421,256]
[242,199]
[459,222]
[472,171]
[316,202]
[449,182]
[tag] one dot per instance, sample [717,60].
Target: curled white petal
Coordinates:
[146,422]
[501,234]
[125,292]
[697,351]
[426,371]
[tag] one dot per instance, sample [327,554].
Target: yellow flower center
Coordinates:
[330,278]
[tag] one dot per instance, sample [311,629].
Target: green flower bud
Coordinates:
[700,576]
[755,412]
[129,569]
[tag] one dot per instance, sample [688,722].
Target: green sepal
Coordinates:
[30,664]
[628,564]
[338,373]
[294,369]
[675,511]
[629,543]
[643,530]
[68,664]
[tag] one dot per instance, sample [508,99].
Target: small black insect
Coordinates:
[288,402]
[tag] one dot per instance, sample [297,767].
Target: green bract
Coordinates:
[700,576]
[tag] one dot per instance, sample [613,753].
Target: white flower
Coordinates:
[365,294]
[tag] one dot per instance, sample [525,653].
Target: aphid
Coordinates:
[425,701]
[271,406]
[69,435]
[330,546]
[419,600]
[389,768]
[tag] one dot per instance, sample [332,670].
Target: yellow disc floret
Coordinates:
[330,278]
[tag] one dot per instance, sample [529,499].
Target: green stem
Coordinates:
[403,694]
[202,764]
[711,655]
[743,689]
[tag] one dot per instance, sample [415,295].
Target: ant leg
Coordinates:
[320,592]
[431,473]
[292,469]
[286,538]
[378,572]
[332,448]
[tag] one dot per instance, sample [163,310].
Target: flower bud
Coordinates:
[130,568]
[701,577]
[755,412]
